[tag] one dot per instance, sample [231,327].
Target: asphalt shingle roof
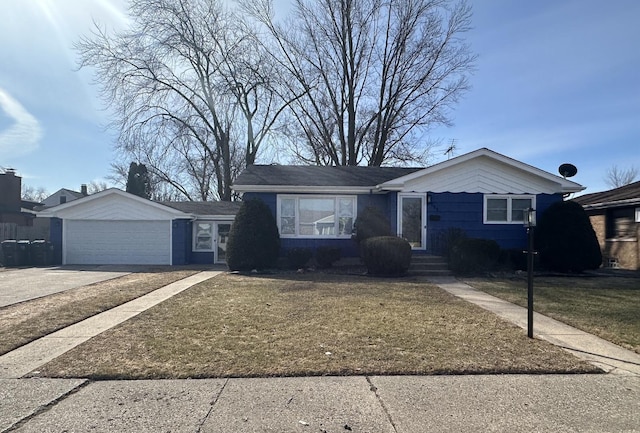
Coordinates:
[205,207]
[623,193]
[308,175]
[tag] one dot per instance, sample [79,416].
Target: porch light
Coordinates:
[529,217]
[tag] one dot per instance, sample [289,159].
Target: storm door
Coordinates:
[412,219]
[222,236]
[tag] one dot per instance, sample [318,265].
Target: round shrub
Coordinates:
[471,255]
[386,255]
[565,239]
[298,257]
[327,256]
[254,242]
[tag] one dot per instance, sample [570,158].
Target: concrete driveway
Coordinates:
[19,285]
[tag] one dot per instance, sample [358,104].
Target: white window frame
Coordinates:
[297,198]
[509,198]
[195,232]
[638,214]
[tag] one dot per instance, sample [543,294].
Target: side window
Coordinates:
[203,236]
[506,209]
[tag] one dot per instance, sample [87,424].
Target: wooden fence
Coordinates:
[14,231]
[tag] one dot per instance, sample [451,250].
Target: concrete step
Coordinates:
[432,273]
[427,265]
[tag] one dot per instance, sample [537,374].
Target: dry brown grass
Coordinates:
[239,326]
[28,321]
[608,307]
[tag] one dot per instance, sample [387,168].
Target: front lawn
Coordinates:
[608,307]
[312,324]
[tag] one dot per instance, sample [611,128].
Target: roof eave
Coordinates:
[571,188]
[214,217]
[615,203]
[305,189]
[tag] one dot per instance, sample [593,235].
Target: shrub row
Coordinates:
[564,238]
[325,257]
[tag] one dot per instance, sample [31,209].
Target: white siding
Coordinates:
[483,175]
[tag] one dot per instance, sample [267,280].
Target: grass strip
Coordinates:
[25,322]
[608,307]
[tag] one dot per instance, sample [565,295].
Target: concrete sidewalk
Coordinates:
[389,404]
[29,357]
[608,356]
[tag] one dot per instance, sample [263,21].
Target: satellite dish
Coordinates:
[567,170]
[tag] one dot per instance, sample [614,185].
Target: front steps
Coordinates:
[429,266]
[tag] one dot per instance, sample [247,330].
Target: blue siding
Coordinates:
[181,241]
[202,258]
[270,198]
[347,246]
[465,211]
[444,212]
[55,236]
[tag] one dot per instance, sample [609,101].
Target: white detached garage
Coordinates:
[115,227]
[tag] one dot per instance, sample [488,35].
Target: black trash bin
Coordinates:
[10,252]
[40,253]
[24,253]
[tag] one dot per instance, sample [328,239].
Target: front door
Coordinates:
[222,236]
[412,220]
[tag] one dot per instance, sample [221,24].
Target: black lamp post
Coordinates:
[530,223]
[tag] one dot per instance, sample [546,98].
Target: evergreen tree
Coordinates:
[566,240]
[138,181]
[254,242]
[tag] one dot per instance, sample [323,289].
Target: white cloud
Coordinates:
[23,134]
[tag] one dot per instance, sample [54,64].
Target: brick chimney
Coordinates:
[83,190]
[10,191]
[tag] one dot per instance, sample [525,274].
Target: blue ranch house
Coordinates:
[482,192]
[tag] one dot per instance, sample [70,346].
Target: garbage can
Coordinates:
[23,253]
[10,252]
[40,252]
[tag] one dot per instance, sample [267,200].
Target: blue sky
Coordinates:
[556,81]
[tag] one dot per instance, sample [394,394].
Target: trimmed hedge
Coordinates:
[327,256]
[386,255]
[298,257]
[471,255]
[446,239]
[254,242]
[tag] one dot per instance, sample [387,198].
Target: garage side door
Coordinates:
[117,242]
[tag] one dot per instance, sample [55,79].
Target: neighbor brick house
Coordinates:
[615,217]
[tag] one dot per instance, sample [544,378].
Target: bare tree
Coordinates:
[31,193]
[190,92]
[369,77]
[96,186]
[616,177]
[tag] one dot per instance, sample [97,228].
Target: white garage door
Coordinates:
[117,242]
